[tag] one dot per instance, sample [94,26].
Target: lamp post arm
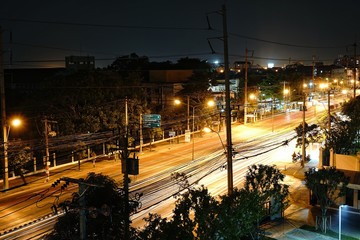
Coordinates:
[8,132]
[188,113]
[222,143]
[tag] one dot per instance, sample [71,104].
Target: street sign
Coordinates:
[151,120]
[151,117]
[187,136]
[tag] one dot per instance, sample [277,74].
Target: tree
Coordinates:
[21,158]
[92,101]
[105,217]
[352,110]
[267,181]
[130,64]
[198,215]
[313,134]
[238,215]
[327,185]
[193,218]
[270,86]
[342,136]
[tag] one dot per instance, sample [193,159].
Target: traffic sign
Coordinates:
[151,120]
[151,117]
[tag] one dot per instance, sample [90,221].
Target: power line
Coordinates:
[103,25]
[164,28]
[287,44]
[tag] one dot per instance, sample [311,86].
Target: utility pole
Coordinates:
[227,106]
[141,135]
[245,87]
[47,154]
[129,166]
[3,117]
[313,70]
[46,132]
[303,152]
[313,79]
[188,113]
[126,175]
[82,202]
[329,112]
[354,70]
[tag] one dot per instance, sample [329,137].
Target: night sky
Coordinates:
[278,31]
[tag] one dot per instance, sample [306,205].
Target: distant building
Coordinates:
[241,65]
[80,63]
[170,76]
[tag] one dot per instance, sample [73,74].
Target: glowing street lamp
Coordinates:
[208,130]
[6,130]
[178,102]
[285,92]
[252,96]
[209,103]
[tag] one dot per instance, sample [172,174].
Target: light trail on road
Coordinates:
[207,168]
[207,171]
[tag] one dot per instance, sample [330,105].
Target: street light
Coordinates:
[6,130]
[286,92]
[209,103]
[207,129]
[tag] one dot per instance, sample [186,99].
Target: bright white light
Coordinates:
[216,62]
[270,65]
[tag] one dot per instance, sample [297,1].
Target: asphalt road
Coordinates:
[260,142]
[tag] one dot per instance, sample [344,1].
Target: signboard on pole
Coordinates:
[187,136]
[151,120]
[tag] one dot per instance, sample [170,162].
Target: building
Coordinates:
[350,165]
[80,63]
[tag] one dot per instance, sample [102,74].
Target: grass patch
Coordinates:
[328,233]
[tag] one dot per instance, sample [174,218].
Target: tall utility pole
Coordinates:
[126,175]
[313,80]
[227,106]
[354,70]
[46,133]
[188,114]
[313,70]
[329,112]
[47,154]
[3,117]
[303,149]
[245,87]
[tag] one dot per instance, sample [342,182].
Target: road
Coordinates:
[261,142]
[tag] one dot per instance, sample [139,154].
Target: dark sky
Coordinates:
[44,32]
